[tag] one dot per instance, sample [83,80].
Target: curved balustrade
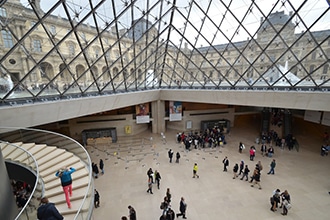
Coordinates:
[32,166]
[27,135]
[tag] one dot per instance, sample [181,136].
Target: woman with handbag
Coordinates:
[286,202]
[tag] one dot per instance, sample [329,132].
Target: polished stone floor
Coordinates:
[215,195]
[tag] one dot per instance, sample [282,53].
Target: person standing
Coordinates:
[286,202]
[149,186]
[241,167]
[164,205]
[66,182]
[235,170]
[195,169]
[95,170]
[252,153]
[275,199]
[47,211]
[170,155]
[101,166]
[183,208]
[157,178]
[272,167]
[270,151]
[177,157]
[225,162]
[170,215]
[256,178]
[259,166]
[150,174]
[168,195]
[246,173]
[96,199]
[240,147]
[131,213]
[263,149]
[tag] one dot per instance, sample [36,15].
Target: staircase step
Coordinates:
[3,145]
[78,181]
[78,194]
[54,188]
[67,163]
[51,160]
[49,174]
[24,156]
[39,151]
[64,210]
[80,171]
[8,149]
[50,156]
[69,216]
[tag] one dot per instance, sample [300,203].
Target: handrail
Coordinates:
[37,176]
[88,163]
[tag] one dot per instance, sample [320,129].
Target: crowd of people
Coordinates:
[211,137]
[214,138]
[22,192]
[280,198]
[242,169]
[272,137]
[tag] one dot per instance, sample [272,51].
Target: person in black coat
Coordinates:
[150,174]
[102,166]
[132,213]
[95,170]
[157,178]
[246,173]
[225,164]
[235,170]
[177,157]
[170,155]
[96,199]
[183,208]
[48,211]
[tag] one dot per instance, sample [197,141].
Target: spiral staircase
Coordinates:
[51,152]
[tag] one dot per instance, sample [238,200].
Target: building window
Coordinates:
[313,55]
[107,55]
[37,46]
[52,29]
[325,69]
[3,12]
[71,49]
[311,68]
[7,39]
[97,53]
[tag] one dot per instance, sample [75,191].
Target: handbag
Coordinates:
[287,204]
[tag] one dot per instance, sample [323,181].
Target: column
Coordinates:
[158,115]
